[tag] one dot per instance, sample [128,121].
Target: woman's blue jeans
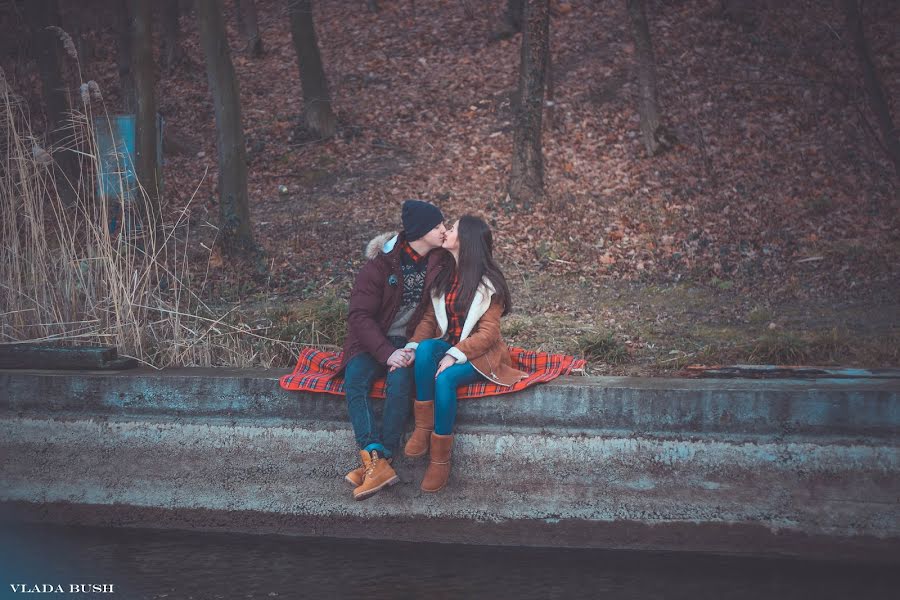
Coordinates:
[359,374]
[443,388]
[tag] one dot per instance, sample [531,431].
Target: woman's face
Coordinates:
[451,239]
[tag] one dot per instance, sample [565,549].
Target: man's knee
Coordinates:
[359,373]
[401,376]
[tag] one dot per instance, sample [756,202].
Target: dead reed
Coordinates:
[67,276]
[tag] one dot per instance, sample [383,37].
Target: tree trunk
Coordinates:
[511,21]
[234,210]
[171,33]
[514,14]
[41,15]
[146,166]
[647,104]
[316,99]
[877,100]
[123,59]
[80,24]
[248,26]
[526,184]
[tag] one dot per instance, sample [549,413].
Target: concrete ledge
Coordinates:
[841,407]
[766,467]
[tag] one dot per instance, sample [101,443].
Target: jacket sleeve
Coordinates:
[483,337]
[427,327]
[362,317]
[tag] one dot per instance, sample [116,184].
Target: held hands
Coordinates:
[404,357]
[401,358]
[447,361]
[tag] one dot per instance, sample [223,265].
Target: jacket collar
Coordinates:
[381,244]
[481,301]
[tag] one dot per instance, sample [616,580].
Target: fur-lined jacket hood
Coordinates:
[383,243]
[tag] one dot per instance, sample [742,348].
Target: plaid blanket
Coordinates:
[315,372]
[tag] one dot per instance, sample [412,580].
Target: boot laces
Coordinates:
[373,463]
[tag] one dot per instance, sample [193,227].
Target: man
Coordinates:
[386,304]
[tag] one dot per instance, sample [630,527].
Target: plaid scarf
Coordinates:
[454,312]
[411,254]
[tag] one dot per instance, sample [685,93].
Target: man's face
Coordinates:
[435,237]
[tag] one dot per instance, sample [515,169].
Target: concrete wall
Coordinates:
[774,467]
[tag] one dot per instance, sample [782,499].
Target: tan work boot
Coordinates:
[417,445]
[358,475]
[379,474]
[438,471]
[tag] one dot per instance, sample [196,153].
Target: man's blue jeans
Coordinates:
[443,388]
[359,374]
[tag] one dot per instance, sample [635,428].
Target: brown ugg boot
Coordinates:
[379,474]
[417,445]
[438,471]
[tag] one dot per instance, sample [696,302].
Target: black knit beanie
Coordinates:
[419,218]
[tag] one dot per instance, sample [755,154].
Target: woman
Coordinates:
[458,342]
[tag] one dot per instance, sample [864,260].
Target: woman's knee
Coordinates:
[425,348]
[447,381]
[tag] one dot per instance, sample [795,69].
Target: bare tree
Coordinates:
[234,209]
[124,59]
[316,99]
[652,132]
[80,24]
[877,99]
[511,20]
[171,33]
[526,183]
[248,25]
[146,135]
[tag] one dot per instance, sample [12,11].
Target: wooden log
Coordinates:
[49,356]
[785,371]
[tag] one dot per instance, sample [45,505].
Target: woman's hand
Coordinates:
[447,361]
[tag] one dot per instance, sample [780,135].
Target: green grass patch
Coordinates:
[319,321]
[779,348]
[602,347]
[760,315]
[512,328]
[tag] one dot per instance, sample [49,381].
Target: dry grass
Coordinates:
[66,277]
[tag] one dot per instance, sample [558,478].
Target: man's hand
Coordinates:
[447,361]
[402,357]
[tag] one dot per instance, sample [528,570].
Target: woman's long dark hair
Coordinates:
[476,260]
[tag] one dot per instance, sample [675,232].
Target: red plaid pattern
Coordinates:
[315,372]
[454,323]
[412,254]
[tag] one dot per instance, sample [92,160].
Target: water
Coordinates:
[151,564]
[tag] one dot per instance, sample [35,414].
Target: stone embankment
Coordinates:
[787,467]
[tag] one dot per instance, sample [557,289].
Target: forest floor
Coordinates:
[768,234]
